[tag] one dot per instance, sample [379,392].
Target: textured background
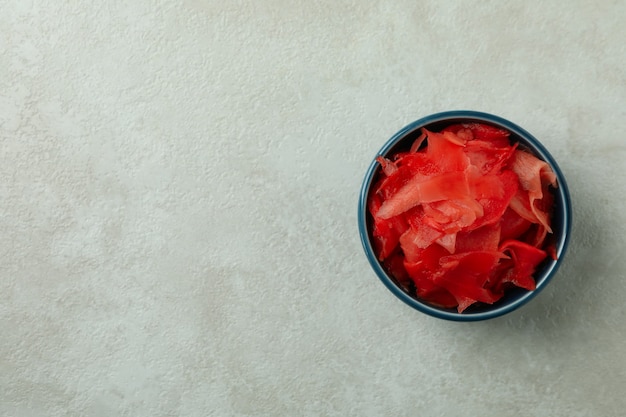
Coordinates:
[178,199]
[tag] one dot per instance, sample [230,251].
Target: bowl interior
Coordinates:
[561,220]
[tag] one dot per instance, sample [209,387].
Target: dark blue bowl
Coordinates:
[561,221]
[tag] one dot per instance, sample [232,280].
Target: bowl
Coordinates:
[515,297]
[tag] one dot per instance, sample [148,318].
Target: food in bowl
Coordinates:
[462,216]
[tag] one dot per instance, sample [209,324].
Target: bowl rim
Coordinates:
[537,147]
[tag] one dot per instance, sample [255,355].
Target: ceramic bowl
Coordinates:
[561,220]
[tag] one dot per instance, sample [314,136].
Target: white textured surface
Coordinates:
[178,192]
